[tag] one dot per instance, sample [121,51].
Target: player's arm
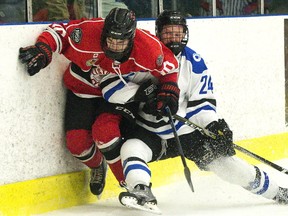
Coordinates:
[168,91]
[201,106]
[53,39]
[118,90]
[133,87]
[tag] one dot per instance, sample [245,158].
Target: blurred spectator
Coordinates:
[186,7]
[277,6]
[251,8]
[58,10]
[230,7]
[107,5]
[76,9]
[12,11]
[142,8]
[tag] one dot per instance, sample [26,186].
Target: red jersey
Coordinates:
[79,41]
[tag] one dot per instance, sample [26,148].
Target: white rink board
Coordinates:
[244,55]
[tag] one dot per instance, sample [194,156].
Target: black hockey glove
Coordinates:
[35,57]
[221,130]
[223,137]
[168,95]
[145,92]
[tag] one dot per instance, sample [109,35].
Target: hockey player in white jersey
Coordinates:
[196,103]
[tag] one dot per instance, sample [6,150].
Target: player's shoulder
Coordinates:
[144,38]
[147,49]
[84,34]
[86,24]
[197,62]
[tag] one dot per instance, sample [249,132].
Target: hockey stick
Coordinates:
[239,148]
[186,169]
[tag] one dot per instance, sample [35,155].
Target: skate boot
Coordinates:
[282,196]
[140,197]
[98,178]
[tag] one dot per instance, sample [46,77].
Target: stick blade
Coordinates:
[188,177]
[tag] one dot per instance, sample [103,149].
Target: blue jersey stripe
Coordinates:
[189,115]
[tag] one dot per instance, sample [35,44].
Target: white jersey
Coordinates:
[196,102]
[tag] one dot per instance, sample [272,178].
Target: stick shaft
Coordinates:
[186,169]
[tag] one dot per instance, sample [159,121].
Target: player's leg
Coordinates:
[108,138]
[209,155]
[252,178]
[140,148]
[108,133]
[80,114]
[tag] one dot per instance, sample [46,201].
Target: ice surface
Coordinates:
[212,196]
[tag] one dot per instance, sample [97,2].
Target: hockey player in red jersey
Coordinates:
[98,48]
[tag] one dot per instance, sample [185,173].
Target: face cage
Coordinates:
[177,47]
[119,56]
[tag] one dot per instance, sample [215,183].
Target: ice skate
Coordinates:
[140,197]
[282,196]
[98,178]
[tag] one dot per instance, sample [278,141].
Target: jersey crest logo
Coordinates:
[76,35]
[159,60]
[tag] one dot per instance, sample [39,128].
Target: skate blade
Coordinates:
[131,202]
